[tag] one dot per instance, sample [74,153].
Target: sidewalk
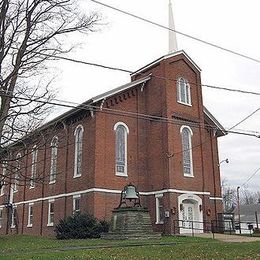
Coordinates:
[229,238]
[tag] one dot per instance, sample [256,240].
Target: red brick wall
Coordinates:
[154,152]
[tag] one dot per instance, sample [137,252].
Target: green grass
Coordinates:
[29,247]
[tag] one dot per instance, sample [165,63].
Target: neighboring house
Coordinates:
[153,132]
[248,217]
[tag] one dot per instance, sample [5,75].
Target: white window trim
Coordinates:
[52,166]
[125,173]
[50,224]
[2,190]
[30,205]
[74,204]
[179,92]
[75,175]
[1,210]
[15,189]
[191,175]
[183,103]
[12,217]
[157,196]
[16,175]
[34,167]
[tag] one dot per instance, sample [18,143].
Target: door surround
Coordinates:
[193,202]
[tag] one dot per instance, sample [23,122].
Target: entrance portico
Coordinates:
[190,213]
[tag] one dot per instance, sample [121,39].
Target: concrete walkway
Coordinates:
[229,238]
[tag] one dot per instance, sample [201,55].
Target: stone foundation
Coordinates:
[131,223]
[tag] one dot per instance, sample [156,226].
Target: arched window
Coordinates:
[54,156]
[183,91]
[2,179]
[17,172]
[186,134]
[78,150]
[122,131]
[34,166]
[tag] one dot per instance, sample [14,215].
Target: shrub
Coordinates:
[80,226]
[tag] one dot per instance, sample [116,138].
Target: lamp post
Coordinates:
[238,209]
[225,160]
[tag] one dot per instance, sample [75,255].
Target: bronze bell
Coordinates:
[130,193]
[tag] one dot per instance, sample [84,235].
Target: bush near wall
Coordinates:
[80,226]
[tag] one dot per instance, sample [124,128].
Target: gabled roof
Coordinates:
[220,129]
[164,58]
[95,99]
[120,89]
[87,104]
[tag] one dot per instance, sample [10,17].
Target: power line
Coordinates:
[251,176]
[83,62]
[155,76]
[77,106]
[232,90]
[244,119]
[178,32]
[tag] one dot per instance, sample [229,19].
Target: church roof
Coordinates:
[120,89]
[164,58]
[220,129]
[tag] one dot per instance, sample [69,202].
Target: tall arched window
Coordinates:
[54,156]
[122,131]
[78,150]
[186,134]
[183,91]
[2,179]
[17,172]
[34,166]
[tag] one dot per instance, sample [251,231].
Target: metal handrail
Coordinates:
[213,226]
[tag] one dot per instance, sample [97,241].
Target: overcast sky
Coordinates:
[128,43]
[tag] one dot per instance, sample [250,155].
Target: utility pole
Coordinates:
[256,219]
[238,209]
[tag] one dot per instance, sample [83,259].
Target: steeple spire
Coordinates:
[172,35]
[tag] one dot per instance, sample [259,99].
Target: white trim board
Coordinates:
[215,198]
[102,190]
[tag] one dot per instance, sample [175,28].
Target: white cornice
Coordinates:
[102,190]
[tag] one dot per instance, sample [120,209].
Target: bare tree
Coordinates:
[250,197]
[257,195]
[31,33]
[229,196]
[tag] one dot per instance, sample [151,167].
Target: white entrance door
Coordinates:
[187,217]
[190,214]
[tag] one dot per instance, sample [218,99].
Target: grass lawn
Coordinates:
[30,247]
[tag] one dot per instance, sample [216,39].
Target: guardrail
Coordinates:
[213,226]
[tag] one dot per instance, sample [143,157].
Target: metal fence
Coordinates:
[213,226]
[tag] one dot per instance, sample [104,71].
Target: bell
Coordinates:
[130,193]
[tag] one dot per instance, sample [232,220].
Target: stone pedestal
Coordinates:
[131,223]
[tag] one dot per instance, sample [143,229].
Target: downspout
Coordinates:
[201,148]
[43,183]
[214,175]
[25,185]
[9,204]
[66,166]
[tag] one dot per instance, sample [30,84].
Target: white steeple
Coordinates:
[172,35]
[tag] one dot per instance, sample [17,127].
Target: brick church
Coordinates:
[153,132]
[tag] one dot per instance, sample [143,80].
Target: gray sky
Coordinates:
[128,43]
